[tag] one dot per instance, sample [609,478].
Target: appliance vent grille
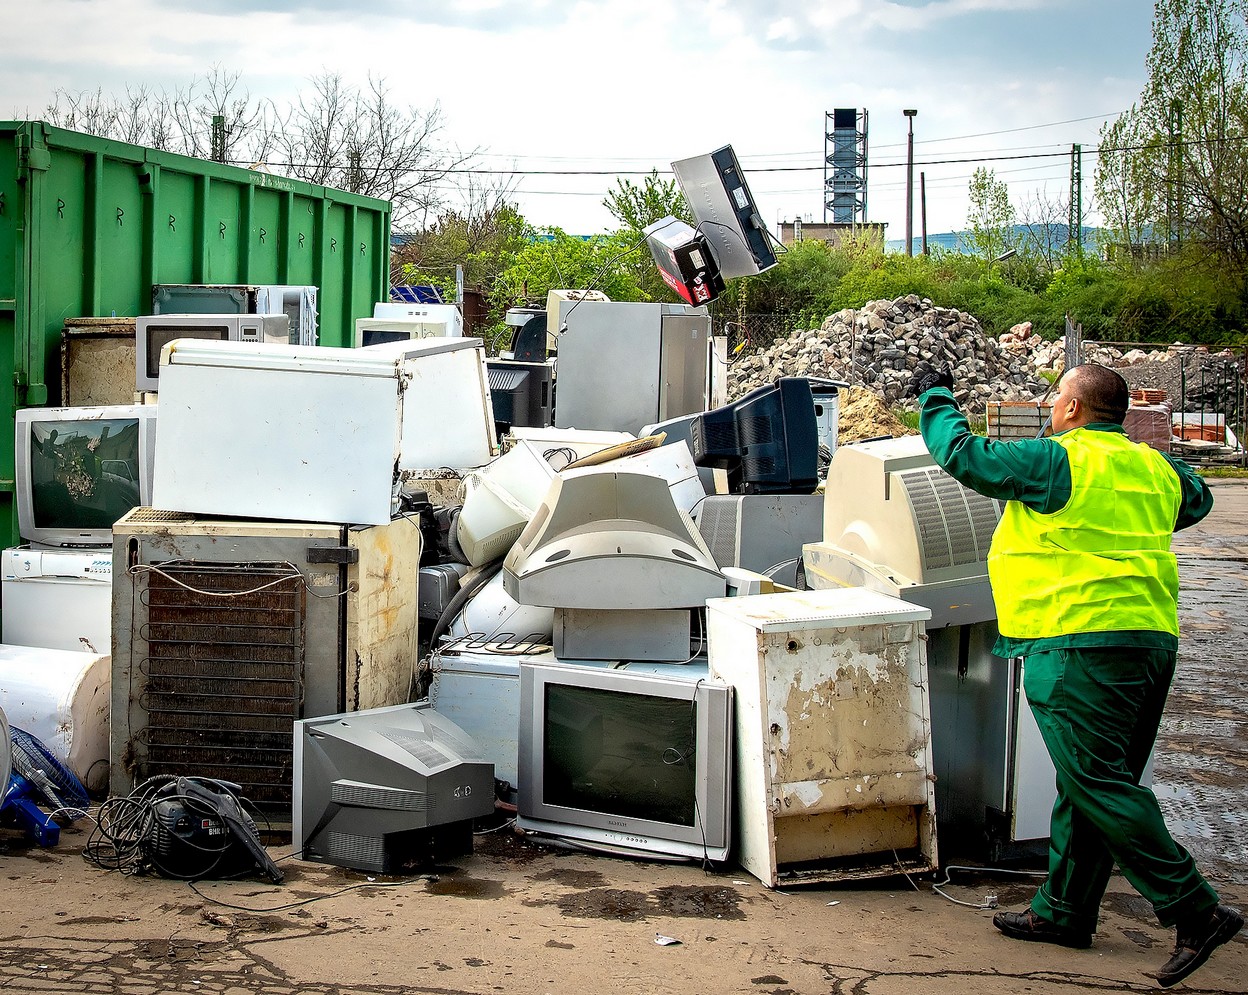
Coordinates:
[364,852]
[418,746]
[720,524]
[375,796]
[220,654]
[955,524]
[146,515]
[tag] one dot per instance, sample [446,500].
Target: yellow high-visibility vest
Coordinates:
[1103,562]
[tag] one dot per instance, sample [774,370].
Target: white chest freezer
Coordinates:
[313,433]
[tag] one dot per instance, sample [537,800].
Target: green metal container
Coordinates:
[88,225]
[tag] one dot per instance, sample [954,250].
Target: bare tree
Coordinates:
[334,135]
[247,124]
[1045,230]
[360,140]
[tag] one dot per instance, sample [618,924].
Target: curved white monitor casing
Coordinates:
[608,540]
[105,477]
[499,499]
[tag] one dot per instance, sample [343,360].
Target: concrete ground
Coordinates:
[520,917]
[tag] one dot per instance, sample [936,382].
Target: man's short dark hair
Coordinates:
[1103,392]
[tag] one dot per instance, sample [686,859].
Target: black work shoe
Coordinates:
[1193,946]
[1027,925]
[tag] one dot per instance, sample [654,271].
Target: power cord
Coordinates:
[990,900]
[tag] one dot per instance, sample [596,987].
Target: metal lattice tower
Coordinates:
[845,165]
[1074,228]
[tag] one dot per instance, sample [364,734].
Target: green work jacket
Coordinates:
[1036,473]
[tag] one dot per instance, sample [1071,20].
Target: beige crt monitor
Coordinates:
[607,540]
[895,521]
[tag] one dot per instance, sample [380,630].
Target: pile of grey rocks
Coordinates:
[878,346]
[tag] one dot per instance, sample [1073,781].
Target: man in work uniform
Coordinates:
[1086,592]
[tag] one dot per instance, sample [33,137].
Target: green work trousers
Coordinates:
[1099,711]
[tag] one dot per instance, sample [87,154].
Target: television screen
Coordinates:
[631,756]
[634,759]
[81,469]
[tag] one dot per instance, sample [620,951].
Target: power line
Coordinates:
[486,171]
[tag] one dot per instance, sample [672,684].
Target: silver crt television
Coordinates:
[78,470]
[629,763]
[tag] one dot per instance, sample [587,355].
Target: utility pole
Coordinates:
[910,113]
[1174,170]
[923,208]
[1074,227]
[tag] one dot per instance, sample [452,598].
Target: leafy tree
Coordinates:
[991,216]
[555,259]
[483,238]
[636,207]
[1182,146]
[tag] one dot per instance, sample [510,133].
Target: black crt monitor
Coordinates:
[521,393]
[529,339]
[767,440]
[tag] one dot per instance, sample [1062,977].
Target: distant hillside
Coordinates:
[961,241]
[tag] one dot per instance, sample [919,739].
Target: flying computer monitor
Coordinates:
[715,188]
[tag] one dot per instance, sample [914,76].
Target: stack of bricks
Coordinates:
[1148,419]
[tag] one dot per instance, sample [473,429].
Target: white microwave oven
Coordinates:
[155,331]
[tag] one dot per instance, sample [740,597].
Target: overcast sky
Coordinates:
[630,85]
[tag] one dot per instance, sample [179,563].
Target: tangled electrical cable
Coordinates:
[143,830]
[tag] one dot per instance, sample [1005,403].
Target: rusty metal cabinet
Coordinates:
[833,733]
[226,632]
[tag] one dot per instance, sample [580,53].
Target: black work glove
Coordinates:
[926,376]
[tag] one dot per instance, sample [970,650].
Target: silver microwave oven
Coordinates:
[155,331]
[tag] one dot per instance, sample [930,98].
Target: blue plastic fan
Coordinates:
[39,780]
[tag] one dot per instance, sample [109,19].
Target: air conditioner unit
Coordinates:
[226,632]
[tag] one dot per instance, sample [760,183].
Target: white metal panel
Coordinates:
[818,609]
[448,418]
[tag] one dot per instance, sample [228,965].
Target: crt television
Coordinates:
[385,788]
[522,393]
[767,440]
[626,762]
[155,331]
[81,469]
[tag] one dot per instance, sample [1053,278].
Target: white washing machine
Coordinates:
[57,598]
